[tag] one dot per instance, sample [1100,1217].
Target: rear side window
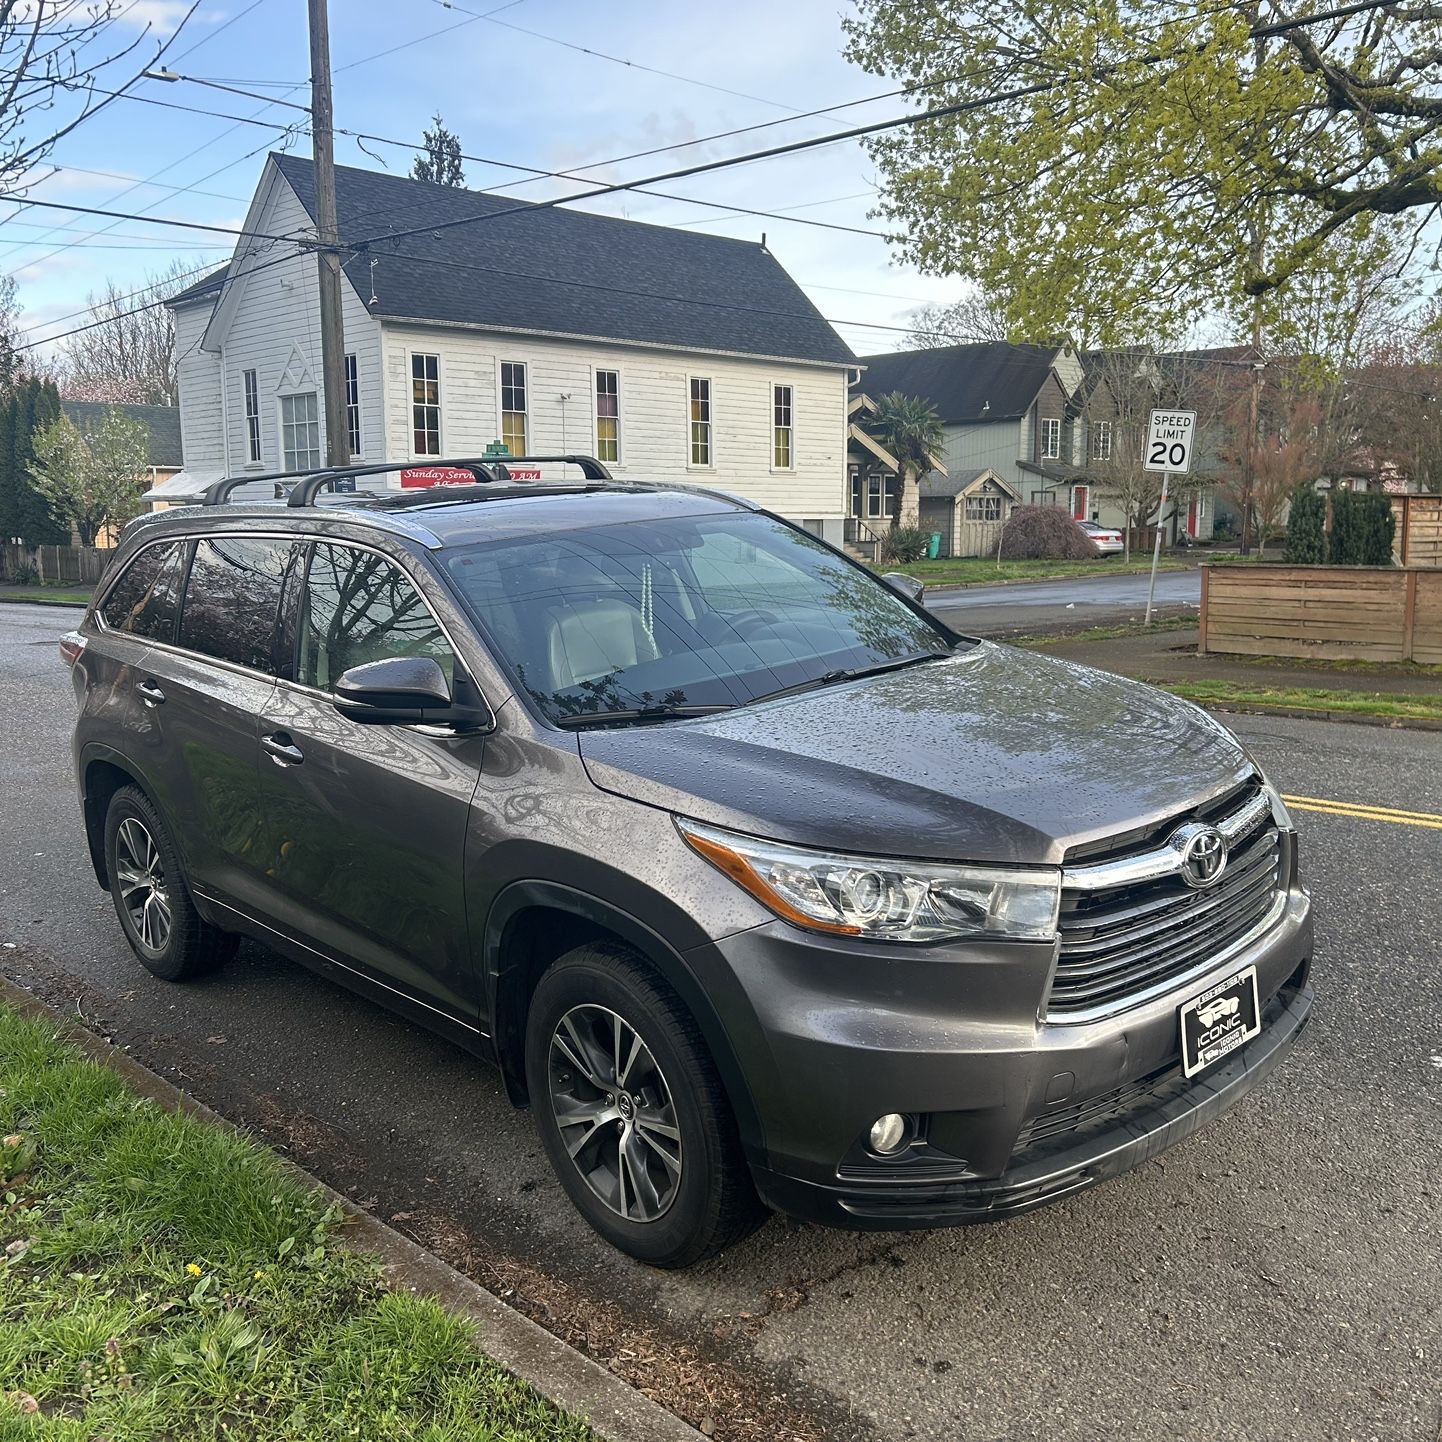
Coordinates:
[144,600]
[232,599]
[358,607]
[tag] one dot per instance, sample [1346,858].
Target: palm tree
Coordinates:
[911,430]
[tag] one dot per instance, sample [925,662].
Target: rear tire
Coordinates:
[151,897]
[632,1113]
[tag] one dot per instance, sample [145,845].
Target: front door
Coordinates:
[1080,500]
[366,825]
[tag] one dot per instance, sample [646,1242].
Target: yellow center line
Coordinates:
[1360,811]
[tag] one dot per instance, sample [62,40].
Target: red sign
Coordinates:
[524,473]
[418,477]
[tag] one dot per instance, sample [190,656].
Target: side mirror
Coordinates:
[404,691]
[908,586]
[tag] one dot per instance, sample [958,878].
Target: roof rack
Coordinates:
[311,481]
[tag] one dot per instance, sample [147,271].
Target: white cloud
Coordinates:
[162,16]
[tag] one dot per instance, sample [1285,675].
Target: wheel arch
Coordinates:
[102,774]
[531,923]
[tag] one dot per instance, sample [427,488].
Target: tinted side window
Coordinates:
[232,599]
[358,607]
[143,601]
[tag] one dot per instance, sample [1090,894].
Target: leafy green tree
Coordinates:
[1130,197]
[92,479]
[911,430]
[1306,543]
[441,164]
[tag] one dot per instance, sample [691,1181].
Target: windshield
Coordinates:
[673,613]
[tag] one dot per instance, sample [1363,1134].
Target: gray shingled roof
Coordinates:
[162,426]
[934,484]
[565,272]
[989,381]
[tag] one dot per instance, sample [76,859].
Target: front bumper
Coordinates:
[1016,1111]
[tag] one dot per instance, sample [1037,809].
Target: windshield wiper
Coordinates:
[638,713]
[852,673]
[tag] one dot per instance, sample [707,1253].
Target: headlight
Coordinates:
[883,899]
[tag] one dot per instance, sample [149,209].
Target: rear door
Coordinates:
[366,825]
[204,689]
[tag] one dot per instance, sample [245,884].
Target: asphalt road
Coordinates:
[1276,1277]
[1041,605]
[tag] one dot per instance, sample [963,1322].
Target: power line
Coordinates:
[421,39]
[573,172]
[188,109]
[942,112]
[614,59]
[729,207]
[155,220]
[220,29]
[153,305]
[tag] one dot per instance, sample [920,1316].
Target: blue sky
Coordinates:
[509,95]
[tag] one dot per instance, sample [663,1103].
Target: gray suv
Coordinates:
[759,884]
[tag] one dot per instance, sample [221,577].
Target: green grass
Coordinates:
[45,595]
[161,1278]
[1399,707]
[981,571]
[1107,633]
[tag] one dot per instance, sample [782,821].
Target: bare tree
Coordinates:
[974,318]
[1122,388]
[61,61]
[130,358]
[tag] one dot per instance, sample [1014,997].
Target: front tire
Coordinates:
[632,1113]
[151,898]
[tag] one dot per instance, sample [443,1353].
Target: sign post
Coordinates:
[1170,435]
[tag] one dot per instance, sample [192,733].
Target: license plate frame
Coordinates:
[1223,1018]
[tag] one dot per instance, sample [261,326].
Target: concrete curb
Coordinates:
[1302,713]
[614,1410]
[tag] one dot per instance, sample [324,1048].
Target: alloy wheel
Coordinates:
[140,874]
[614,1109]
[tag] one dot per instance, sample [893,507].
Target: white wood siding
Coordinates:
[201,442]
[276,330]
[654,406]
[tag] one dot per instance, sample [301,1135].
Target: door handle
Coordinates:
[283,751]
[149,693]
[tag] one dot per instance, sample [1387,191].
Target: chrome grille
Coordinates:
[1119,941]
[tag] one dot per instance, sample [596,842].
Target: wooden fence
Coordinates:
[1417,541]
[1372,613]
[78,566]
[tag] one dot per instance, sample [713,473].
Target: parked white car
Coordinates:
[1108,542]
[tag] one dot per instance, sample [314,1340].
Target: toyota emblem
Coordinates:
[1203,851]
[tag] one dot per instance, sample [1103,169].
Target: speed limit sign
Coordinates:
[1169,441]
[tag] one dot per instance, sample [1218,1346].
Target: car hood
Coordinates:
[993,754]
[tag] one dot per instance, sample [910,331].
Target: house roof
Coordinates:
[988,381]
[943,485]
[201,288]
[162,426]
[557,271]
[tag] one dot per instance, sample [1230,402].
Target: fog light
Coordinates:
[889,1134]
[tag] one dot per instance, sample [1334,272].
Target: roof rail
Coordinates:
[313,479]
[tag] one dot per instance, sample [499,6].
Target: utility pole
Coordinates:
[332,330]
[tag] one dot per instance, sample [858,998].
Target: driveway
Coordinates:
[1274,1278]
[1042,605]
